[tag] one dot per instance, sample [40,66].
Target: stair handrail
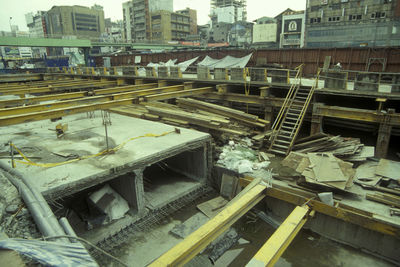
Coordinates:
[303,111]
[292,90]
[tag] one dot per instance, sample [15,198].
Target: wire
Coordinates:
[88,243]
[107,151]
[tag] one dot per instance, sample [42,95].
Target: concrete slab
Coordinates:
[86,136]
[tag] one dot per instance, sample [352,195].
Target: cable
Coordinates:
[88,243]
[111,150]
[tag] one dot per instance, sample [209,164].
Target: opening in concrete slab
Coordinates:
[174,177]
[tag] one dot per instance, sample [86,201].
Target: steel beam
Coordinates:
[57,113]
[38,99]
[183,93]
[17,115]
[356,114]
[340,211]
[273,249]
[86,100]
[199,239]
[53,89]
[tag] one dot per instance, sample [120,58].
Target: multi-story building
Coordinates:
[192,19]
[172,26]
[137,17]
[265,32]
[37,25]
[228,11]
[352,23]
[77,21]
[293,30]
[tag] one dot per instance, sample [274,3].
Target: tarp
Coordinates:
[172,62]
[51,253]
[226,62]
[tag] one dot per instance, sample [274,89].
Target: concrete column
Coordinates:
[316,121]
[385,129]
[130,187]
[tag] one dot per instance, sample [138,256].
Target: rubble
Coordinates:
[241,159]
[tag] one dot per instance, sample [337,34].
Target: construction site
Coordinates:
[201,158]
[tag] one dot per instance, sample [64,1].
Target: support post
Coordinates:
[385,130]
[316,120]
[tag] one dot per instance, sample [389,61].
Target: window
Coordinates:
[359,16]
[372,15]
[383,15]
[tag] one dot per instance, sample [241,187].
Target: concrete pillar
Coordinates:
[316,121]
[385,129]
[130,187]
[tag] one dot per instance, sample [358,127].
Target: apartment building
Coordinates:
[352,23]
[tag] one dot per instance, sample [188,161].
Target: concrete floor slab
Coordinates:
[86,136]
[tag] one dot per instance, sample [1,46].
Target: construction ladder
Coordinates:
[291,115]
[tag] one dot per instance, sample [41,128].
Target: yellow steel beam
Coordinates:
[340,211]
[198,240]
[356,114]
[34,83]
[17,115]
[273,249]
[56,113]
[53,84]
[85,100]
[124,88]
[52,89]
[164,96]
[38,99]
[20,78]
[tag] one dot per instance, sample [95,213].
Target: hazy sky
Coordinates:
[113,8]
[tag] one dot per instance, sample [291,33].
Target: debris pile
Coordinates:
[322,169]
[382,176]
[201,115]
[346,148]
[241,158]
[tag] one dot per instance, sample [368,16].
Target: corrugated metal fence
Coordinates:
[360,59]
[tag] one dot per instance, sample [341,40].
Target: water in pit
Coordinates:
[307,249]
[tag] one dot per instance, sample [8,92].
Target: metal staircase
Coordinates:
[291,115]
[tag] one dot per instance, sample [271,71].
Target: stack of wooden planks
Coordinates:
[200,115]
[346,148]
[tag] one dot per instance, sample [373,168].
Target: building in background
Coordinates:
[350,23]
[265,32]
[77,21]
[219,33]
[173,26]
[137,17]
[241,34]
[127,17]
[293,30]
[192,19]
[37,25]
[228,11]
